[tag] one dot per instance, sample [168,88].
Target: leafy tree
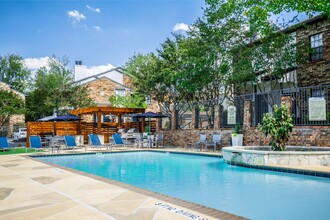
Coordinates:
[14,72]
[158,76]
[278,125]
[10,104]
[54,89]
[128,101]
[233,49]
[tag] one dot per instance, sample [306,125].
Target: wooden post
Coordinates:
[143,124]
[28,134]
[79,126]
[119,120]
[99,122]
[174,119]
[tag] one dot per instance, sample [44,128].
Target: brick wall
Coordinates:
[312,73]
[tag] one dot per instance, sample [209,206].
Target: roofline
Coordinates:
[11,87]
[293,28]
[96,75]
[305,22]
[106,78]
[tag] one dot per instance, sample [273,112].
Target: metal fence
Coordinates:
[308,105]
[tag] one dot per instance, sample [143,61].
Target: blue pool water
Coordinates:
[251,193]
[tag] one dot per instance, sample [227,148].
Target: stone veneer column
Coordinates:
[216,117]
[158,124]
[286,100]
[247,114]
[174,120]
[194,118]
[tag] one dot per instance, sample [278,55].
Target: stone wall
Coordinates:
[312,73]
[127,81]
[100,90]
[184,138]
[300,136]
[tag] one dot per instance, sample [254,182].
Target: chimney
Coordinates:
[78,62]
[79,70]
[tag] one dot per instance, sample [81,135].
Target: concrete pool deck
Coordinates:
[30,189]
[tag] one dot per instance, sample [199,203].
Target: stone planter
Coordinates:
[237,140]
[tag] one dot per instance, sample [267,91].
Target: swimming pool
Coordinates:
[251,193]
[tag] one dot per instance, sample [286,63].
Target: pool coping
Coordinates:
[176,201]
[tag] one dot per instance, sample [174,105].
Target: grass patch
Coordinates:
[21,150]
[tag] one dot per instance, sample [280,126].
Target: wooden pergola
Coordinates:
[99,111]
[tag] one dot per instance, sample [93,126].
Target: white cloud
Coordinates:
[97,10]
[97,28]
[36,63]
[92,70]
[76,15]
[181,27]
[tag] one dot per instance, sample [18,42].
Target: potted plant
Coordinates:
[278,125]
[236,138]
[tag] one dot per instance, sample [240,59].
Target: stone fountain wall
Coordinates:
[251,156]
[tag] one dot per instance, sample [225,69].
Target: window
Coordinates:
[120,92]
[316,46]
[148,100]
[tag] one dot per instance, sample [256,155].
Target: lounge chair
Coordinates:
[70,142]
[159,139]
[215,140]
[138,139]
[200,142]
[35,143]
[118,141]
[4,143]
[95,141]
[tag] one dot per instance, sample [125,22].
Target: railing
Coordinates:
[302,101]
[301,104]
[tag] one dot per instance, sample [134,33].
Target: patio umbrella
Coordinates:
[65,118]
[48,117]
[150,115]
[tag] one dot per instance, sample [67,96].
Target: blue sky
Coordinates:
[96,32]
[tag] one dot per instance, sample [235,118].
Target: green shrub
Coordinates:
[278,125]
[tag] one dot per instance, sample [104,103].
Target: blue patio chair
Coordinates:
[35,142]
[4,143]
[95,141]
[118,141]
[70,142]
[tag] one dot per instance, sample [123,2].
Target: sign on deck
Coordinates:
[317,109]
[231,115]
